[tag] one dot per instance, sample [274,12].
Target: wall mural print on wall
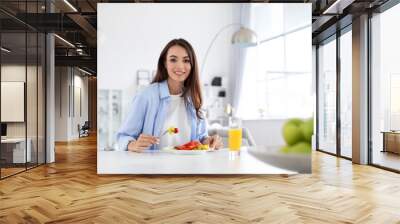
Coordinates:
[187,98]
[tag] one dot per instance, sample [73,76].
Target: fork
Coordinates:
[168,130]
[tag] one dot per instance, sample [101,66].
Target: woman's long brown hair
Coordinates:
[191,86]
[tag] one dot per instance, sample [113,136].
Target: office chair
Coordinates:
[84,130]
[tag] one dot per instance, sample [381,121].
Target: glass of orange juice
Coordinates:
[235,134]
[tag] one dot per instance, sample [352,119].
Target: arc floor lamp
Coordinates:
[244,37]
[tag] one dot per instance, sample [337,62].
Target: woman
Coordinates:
[172,100]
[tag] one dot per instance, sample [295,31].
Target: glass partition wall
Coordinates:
[346,93]
[13,110]
[22,79]
[334,110]
[385,89]
[327,96]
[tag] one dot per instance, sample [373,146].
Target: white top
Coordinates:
[176,117]
[161,162]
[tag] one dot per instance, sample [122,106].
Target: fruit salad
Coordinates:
[192,145]
[172,130]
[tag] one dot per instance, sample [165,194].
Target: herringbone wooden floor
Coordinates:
[70,191]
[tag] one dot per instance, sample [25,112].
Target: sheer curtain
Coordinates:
[240,55]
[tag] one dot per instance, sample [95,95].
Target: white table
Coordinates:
[159,162]
[18,149]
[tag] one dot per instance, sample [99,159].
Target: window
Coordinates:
[327,97]
[346,94]
[385,89]
[277,80]
[394,101]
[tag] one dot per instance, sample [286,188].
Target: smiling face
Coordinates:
[178,64]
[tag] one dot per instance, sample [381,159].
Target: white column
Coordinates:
[50,94]
[314,91]
[360,90]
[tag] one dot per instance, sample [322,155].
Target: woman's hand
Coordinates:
[142,143]
[214,142]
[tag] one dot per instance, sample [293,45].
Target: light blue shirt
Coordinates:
[147,115]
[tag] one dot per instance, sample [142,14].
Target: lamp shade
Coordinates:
[244,37]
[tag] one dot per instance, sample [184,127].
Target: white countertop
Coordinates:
[14,140]
[159,162]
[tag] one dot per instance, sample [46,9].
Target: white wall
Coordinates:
[68,81]
[14,72]
[61,103]
[79,117]
[136,40]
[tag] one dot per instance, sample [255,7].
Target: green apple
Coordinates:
[307,128]
[295,121]
[285,149]
[292,132]
[301,147]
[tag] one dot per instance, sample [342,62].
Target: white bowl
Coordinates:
[297,162]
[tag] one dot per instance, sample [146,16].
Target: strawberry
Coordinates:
[188,146]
